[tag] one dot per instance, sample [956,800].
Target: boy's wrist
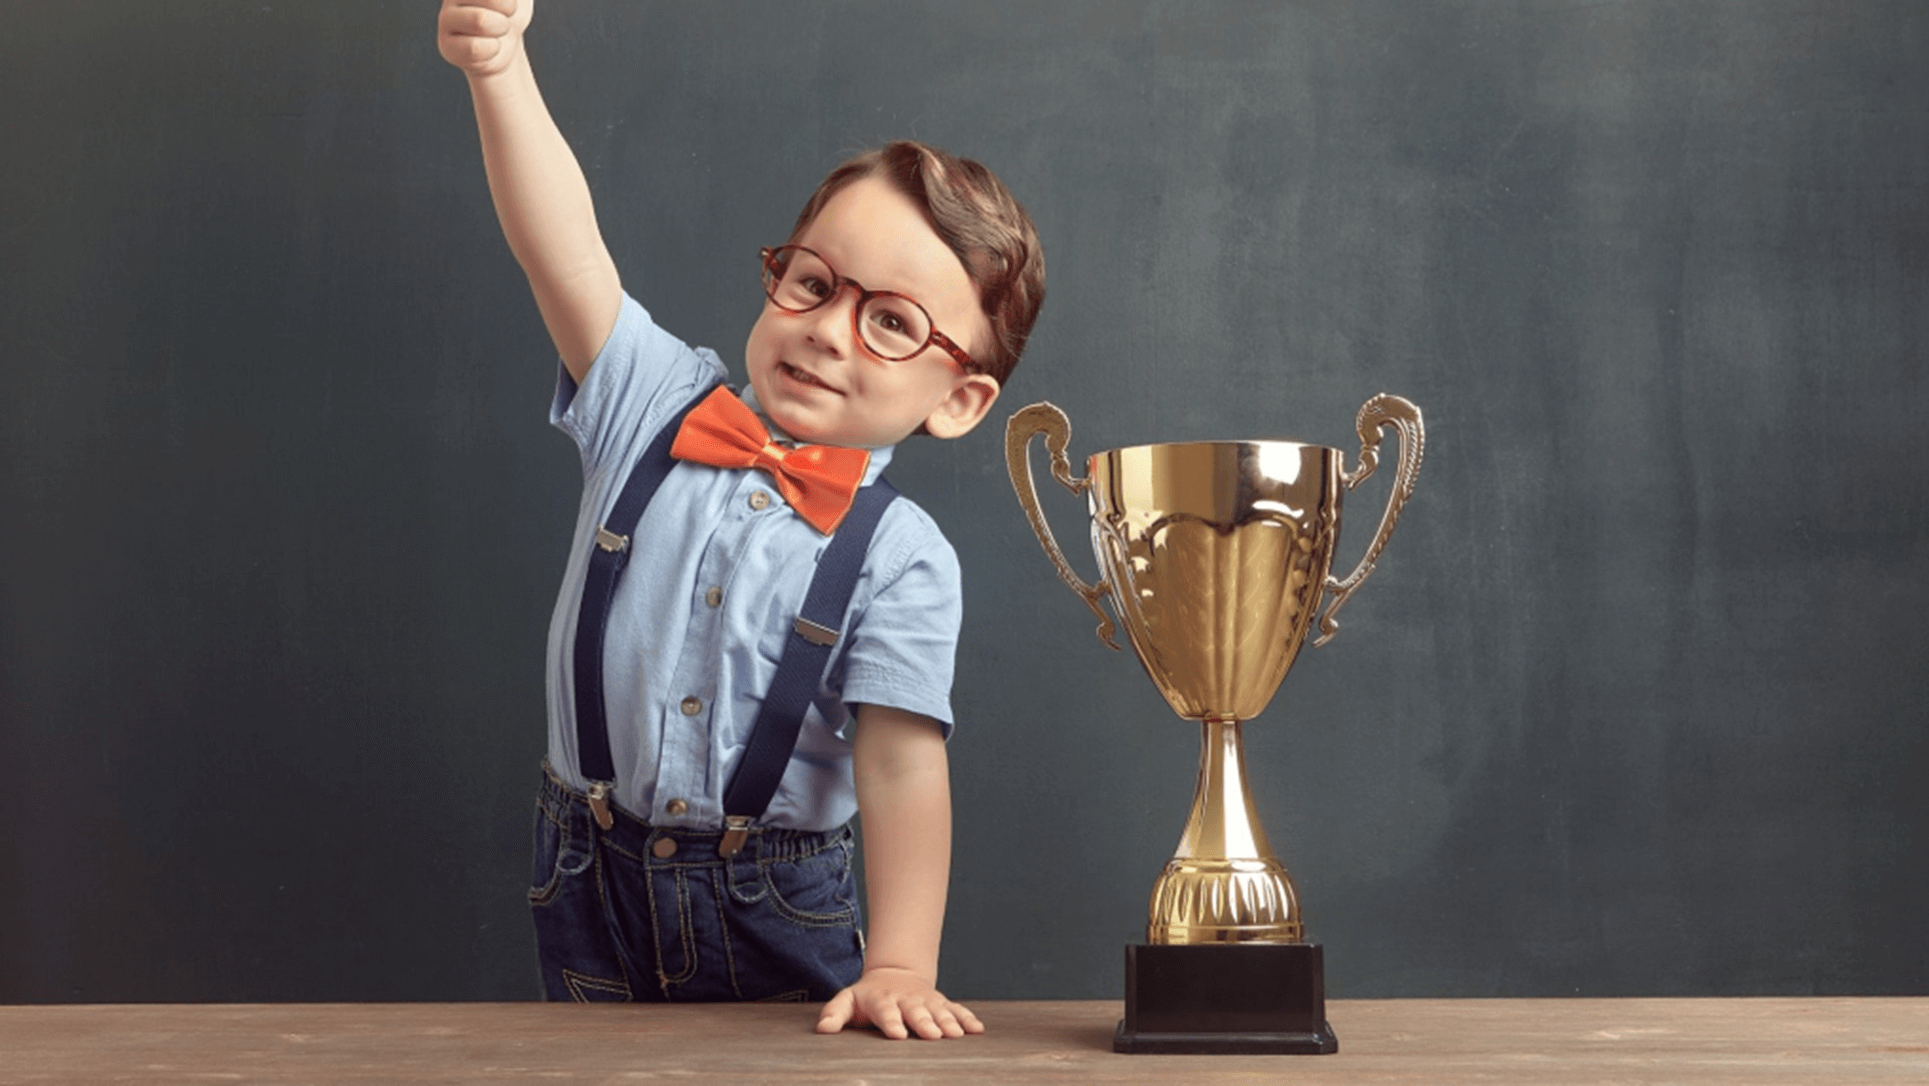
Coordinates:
[926,976]
[497,75]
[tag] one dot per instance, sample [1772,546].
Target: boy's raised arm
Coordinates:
[540,194]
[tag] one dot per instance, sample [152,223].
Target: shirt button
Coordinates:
[664,848]
[759,499]
[713,596]
[675,807]
[692,706]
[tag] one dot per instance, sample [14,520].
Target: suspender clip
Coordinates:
[611,542]
[736,829]
[813,633]
[599,803]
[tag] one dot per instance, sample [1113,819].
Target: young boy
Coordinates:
[899,305]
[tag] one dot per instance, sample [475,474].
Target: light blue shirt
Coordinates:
[719,571]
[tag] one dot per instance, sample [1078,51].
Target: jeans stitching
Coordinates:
[842,917]
[656,928]
[580,983]
[706,953]
[608,910]
[546,893]
[795,995]
[723,927]
[623,852]
[686,939]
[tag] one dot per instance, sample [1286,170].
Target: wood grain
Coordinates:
[1440,1042]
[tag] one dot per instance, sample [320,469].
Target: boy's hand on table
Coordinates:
[482,37]
[899,1003]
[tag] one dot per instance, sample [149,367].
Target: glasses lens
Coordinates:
[893,326]
[798,279]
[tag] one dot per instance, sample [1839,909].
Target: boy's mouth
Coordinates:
[802,377]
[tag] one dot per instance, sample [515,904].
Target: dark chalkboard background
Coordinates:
[1635,704]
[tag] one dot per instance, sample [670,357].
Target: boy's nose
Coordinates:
[833,324]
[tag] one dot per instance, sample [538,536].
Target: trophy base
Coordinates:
[1242,998]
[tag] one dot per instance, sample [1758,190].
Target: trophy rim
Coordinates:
[1220,443]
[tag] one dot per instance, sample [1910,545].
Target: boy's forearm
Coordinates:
[543,202]
[904,794]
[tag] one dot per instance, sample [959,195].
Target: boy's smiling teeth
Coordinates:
[805,378]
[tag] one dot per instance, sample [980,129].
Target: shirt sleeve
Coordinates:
[641,374]
[904,644]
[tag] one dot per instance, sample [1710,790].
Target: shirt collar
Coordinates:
[880,454]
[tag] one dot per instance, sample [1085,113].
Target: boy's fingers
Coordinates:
[501,7]
[474,22]
[489,24]
[899,1015]
[889,1020]
[936,1025]
[479,36]
[946,1018]
[467,50]
[837,1013]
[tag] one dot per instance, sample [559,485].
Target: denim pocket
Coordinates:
[819,890]
[556,852]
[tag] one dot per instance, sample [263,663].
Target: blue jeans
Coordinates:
[639,912]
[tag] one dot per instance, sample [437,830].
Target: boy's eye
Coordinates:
[894,327]
[815,285]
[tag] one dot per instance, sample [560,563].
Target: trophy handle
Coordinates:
[1045,418]
[1377,413]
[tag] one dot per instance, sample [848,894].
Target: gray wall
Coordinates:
[1633,706]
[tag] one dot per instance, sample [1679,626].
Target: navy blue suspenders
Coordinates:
[799,671]
[606,561]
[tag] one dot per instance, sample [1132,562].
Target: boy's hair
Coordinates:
[973,212]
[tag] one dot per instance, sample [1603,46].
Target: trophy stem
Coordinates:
[1223,884]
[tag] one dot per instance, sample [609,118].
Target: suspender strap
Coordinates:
[606,561]
[800,671]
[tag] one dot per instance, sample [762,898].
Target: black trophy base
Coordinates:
[1252,998]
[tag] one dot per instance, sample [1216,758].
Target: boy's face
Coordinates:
[820,384]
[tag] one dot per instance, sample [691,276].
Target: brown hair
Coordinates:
[973,212]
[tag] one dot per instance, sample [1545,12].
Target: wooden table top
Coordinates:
[1442,1042]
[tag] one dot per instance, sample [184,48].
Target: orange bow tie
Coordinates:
[817,480]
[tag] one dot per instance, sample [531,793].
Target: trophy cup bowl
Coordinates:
[1216,556]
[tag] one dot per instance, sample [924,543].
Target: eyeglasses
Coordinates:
[892,326]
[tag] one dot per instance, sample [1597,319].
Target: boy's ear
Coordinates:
[964,408]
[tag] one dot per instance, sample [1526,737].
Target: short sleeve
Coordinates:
[640,376]
[904,644]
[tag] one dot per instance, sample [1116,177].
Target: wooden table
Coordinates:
[1434,1041]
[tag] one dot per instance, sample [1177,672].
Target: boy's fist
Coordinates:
[482,37]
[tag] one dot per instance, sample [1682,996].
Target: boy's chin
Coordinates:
[805,434]
[803,431]
[831,437]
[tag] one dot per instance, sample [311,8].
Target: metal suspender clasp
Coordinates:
[813,633]
[611,542]
[736,830]
[599,803]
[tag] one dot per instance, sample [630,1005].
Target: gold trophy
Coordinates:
[1216,556]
